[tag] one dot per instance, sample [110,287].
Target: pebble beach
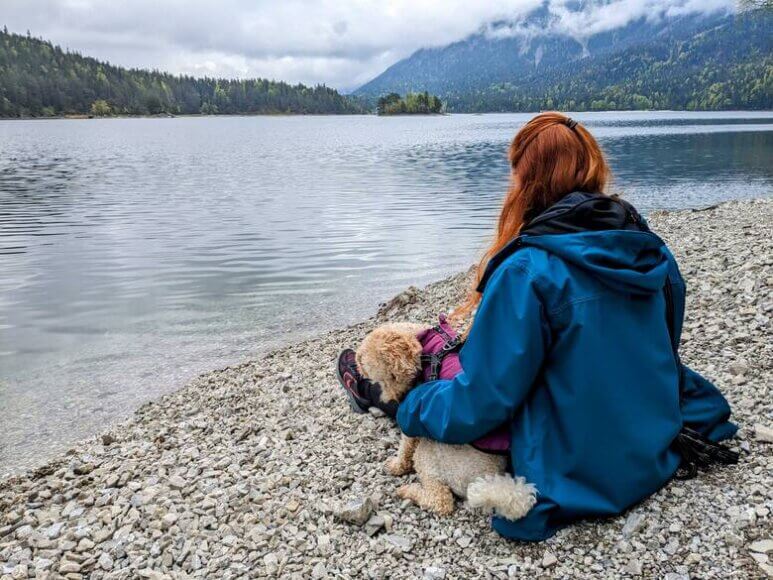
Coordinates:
[260,470]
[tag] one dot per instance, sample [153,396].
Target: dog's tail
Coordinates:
[509,497]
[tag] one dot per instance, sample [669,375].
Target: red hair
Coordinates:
[550,157]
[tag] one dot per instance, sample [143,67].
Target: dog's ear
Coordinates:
[400,354]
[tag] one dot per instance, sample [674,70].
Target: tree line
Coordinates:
[412,104]
[38,79]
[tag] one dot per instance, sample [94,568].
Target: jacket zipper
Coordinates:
[669,296]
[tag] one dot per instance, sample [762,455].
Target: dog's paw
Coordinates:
[442,506]
[394,466]
[408,491]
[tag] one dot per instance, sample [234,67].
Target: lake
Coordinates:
[137,253]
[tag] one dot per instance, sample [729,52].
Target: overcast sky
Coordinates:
[341,43]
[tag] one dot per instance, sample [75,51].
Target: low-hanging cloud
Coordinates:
[341,43]
[595,18]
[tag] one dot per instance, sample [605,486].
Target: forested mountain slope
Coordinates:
[40,79]
[717,61]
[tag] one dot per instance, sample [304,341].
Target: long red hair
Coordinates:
[550,157]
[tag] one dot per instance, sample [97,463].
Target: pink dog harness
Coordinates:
[440,360]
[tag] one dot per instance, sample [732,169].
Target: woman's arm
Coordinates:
[501,359]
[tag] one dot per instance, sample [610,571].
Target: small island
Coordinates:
[412,104]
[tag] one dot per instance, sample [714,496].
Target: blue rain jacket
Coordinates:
[571,346]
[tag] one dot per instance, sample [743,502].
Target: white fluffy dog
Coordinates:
[391,356]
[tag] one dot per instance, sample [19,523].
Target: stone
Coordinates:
[672,547]
[24,532]
[744,519]
[42,564]
[738,368]
[105,561]
[168,520]
[374,525]
[759,558]
[68,566]
[464,541]
[356,511]
[633,567]
[85,545]
[434,573]
[271,562]
[693,558]
[767,569]
[633,524]
[401,542]
[733,539]
[324,547]
[319,571]
[762,546]
[177,482]
[763,433]
[549,559]
[82,468]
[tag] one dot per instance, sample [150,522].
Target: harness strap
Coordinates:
[435,360]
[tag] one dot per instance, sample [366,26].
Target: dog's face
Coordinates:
[391,356]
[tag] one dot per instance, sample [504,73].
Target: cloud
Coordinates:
[341,43]
[597,17]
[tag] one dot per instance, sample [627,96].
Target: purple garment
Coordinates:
[432,341]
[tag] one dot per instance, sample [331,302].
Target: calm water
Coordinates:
[138,253]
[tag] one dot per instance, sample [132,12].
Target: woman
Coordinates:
[579,310]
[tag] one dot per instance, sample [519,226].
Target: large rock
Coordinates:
[763,433]
[633,524]
[356,511]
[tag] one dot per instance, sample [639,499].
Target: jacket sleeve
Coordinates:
[501,359]
[704,408]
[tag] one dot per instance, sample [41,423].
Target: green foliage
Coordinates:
[39,79]
[412,104]
[99,108]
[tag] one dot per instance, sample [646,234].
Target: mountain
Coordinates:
[699,61]
[39,79]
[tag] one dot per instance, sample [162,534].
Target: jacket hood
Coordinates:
[601,234]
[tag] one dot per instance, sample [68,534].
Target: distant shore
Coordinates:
[415,114]
[372,114]
[241,472]
[85,117]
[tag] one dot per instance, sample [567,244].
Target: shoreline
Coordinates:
[234,474]
[86,117]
